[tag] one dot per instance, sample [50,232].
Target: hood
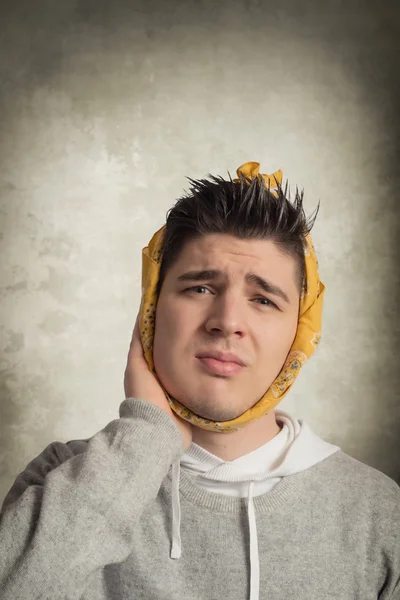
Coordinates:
[295,448]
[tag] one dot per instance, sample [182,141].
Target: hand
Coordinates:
[139,382]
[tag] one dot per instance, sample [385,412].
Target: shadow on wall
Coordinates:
[376,258]
[22,438]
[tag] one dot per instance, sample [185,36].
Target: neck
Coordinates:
[229,446]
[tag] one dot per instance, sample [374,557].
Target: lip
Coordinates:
[220,367]
[228,357]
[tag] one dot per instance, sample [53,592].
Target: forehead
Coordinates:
[220,247]
[236,257]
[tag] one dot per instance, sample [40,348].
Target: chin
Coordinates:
[206,403]
[215,411]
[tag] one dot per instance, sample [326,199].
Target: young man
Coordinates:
[200,490]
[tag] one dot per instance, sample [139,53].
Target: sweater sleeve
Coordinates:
[69,515]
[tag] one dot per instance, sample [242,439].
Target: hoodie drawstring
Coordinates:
[176,512]
[176,547]
[254,558]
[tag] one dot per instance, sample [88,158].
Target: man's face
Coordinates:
[226,314]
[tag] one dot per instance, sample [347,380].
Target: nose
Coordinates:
[226,317]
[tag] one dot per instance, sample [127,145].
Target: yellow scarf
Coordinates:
[306,341]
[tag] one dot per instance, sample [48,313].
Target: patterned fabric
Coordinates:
[307,337]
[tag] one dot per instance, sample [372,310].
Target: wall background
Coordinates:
[106,108]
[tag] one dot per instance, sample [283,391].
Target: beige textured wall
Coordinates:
[106,107]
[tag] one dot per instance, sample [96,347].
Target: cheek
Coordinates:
[292,329]
[280,337]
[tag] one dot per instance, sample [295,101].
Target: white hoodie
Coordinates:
[295,448]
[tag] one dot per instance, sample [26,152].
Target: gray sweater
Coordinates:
[91,520]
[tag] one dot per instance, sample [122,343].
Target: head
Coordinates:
[231,276]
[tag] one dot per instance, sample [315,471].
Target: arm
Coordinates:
[62,522]
[391,592]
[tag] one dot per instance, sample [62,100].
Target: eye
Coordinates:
[269,303]
[196,287]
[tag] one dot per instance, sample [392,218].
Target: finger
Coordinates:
[136,328]
[135,331]
[136,344]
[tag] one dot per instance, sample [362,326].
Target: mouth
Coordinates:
[220,367]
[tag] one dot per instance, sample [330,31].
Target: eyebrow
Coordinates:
[251,278]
